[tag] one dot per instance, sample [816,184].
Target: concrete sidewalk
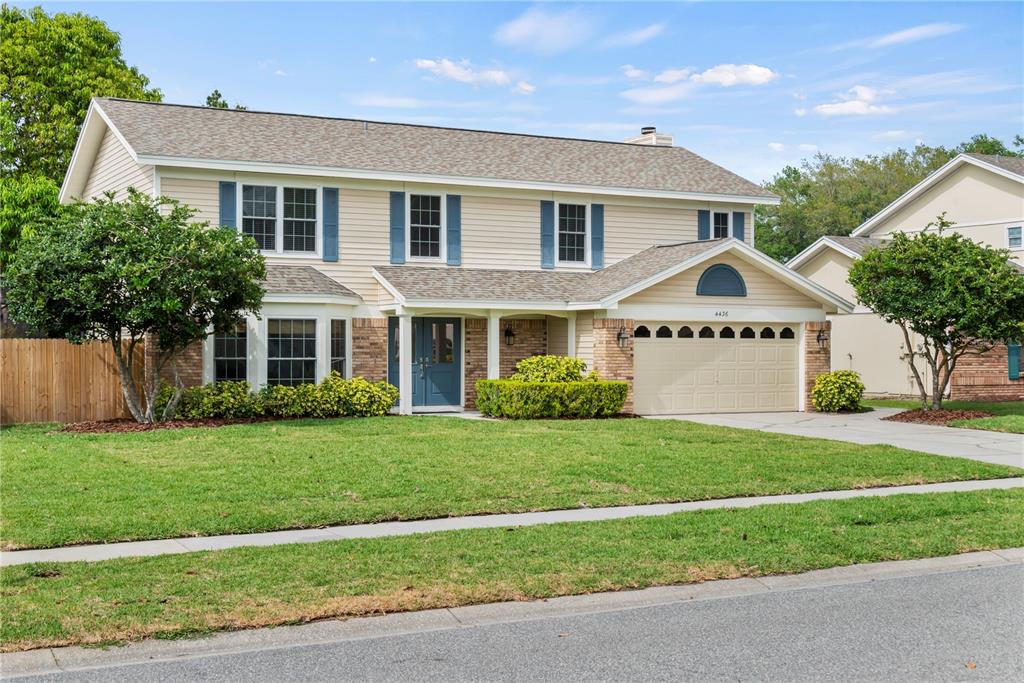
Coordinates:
[281,643]
[106,551]
[870,428]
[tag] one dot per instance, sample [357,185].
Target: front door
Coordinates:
[436,360]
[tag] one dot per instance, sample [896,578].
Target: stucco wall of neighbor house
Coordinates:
[817,361]
[763,290]
[611,361]
[985,378]
[875,349]
[830,269]
[114,170]
[370,348]
[531,340]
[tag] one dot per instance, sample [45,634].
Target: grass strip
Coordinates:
[1012,424]
[997,408]
[178,595]
[61,489]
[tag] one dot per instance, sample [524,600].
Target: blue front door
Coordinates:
[436,360]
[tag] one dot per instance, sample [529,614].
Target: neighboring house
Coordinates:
[984,196]
[434,257]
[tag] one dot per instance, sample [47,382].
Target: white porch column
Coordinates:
[405,364]
[570,334]
[493,344]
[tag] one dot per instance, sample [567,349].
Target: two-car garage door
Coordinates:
[697,368]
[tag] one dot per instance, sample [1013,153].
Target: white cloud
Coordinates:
[914,34]
[671,75]
[371,60]
[860,100]
[524,88]
[805,147]
[896,135]
[800,111]
[728,75]
[776,146]
[547,32]
[659,94]
[637,37]
[634,73]
[464,72]
[280,72]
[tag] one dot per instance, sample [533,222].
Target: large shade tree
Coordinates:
[125,271]
[960,297]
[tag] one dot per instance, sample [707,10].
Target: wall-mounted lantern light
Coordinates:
[510,336]
[622,337]
[822,339]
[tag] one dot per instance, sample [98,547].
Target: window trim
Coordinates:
[317,348]
[278,251]
[247,357]
[1013,227]
[728,217]
[442,253]
[347,357]
[585,263]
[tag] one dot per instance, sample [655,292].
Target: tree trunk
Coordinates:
[128,388]
[913,366]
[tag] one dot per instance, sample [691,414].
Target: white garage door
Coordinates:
[696,368]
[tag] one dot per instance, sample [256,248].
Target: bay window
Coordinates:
[230,355]
[291,351]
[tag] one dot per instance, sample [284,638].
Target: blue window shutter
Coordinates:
[330,224]
[1013,360]
[703,224]
[597,236]
[547,234]
[738,229]
[398,227]
[228,205]
[454,220]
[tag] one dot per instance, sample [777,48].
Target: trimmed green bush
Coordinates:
[518,400]
[839,390]
[334,397]
[552,369]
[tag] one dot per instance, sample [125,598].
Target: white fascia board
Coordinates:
[937,175]
[334,172]
[667,273]
[485,304]
[312,299]
[399,299]
[815,248]
[91,134]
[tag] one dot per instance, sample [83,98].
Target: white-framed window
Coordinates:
[338,345]
[283,219]
[231,354]
[1014,238]
[426,239]
[573,233]
[721,224]
[291,351]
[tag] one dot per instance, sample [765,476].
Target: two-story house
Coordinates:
[984,197]
[433,257]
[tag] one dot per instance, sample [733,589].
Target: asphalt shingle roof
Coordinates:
[1012,164]
[858,245]
[537,286]
[303,280]
[206,133]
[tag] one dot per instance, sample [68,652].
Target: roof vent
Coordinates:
[649,135]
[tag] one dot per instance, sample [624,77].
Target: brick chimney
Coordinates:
[649,135]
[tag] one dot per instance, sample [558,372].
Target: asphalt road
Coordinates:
[964,625]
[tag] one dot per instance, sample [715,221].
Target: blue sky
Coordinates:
[751,86]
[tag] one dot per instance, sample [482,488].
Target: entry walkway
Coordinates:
[870,428]
[106,551]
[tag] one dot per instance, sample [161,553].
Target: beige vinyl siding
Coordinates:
[830,270]
[115,170]
[201,195]
[630,229]
[500,232]
[585,337]
[762,289]
[558,336]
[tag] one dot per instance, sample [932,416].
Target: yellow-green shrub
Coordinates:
[839,390]
[517,400]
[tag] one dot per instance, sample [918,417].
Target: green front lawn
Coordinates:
[60,489]
[175,595]
[1008,416]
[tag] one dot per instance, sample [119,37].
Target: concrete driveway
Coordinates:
[870,428]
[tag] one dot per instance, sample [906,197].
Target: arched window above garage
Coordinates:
[787,333]
[727,333]
[664,332]
[706,333]
[747,333]
[721,280]
[642,332]
[685,332]
[767,333]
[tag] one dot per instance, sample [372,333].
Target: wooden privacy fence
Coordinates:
[51,380]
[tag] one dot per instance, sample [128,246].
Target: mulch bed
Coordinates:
[125,426]
[936,417]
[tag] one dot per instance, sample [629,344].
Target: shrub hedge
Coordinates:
[518,400]
[839,390]
[552,369]
[334,397]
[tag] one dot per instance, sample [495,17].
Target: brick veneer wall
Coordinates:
[475,354]
[531,340]
[189,363]
[985,377]
[370,348]
[817,361]
[611,361]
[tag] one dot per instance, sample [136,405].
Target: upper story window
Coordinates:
[720,223]
[425,232]
[1013,238]
[282,220]
[572,233]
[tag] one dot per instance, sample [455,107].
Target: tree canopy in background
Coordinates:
[830,195]
[217,101]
